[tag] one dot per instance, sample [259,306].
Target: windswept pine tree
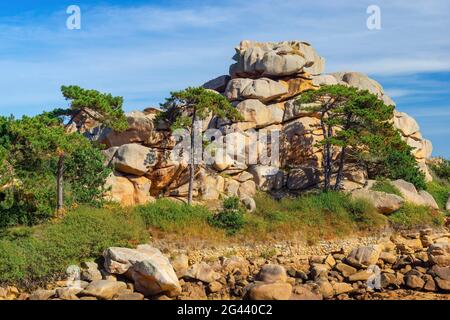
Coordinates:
[183,109]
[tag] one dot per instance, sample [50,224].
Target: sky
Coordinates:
[142,50]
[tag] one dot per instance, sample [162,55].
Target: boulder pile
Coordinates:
[262,84]
[402,265]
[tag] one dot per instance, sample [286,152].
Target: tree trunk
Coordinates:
[59,184]
[341,168]
[328,166]
[325,153]
[192,158]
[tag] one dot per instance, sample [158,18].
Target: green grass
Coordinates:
[29,256]
[170,216]
[413,216]
[386,186]
[322,215]
[440,191]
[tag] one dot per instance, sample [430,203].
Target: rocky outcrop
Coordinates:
[263,84]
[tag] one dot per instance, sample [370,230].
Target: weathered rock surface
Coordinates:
[151,272]
[384,202]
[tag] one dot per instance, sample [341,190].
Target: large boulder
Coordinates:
[275,59]
[120,189]
[150,270]
[410,194]
[140,128]
[255,114]
[295,86]
[406,124]
[303,178]
[263,89]
[217,84]
[385,203]
[267,177]
[134,159]
[363,82]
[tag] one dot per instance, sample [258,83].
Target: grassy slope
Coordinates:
[38,254]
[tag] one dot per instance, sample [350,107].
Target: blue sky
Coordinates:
[142,50]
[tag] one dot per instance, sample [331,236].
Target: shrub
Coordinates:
[317,215]
[384,185]
[440,192]
[29,256]
[442,169]
[231,218]
[86,176]
[411,215]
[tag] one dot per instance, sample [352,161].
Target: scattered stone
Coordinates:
[180,264]
[342,287]
[42,294]
[269,291]
[443,284]
[130,296]
[414,282]
[325,288]
[90,272]
[69,293]
[203,272]
[345,269]
[104,289]
[362,275]
[388,257]
[214,286]
[365,255]
[270,273]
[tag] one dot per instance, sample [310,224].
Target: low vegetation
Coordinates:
[33,255]
[384,185]
[413,216]
[30,255]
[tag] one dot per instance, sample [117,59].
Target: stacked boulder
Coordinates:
[263,84]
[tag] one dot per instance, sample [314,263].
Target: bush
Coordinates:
[231,218]
[414,216]
[384,185]
[85,174]
[30,256]
[440,192]
[442,169]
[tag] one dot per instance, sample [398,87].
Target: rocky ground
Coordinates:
[407,265]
